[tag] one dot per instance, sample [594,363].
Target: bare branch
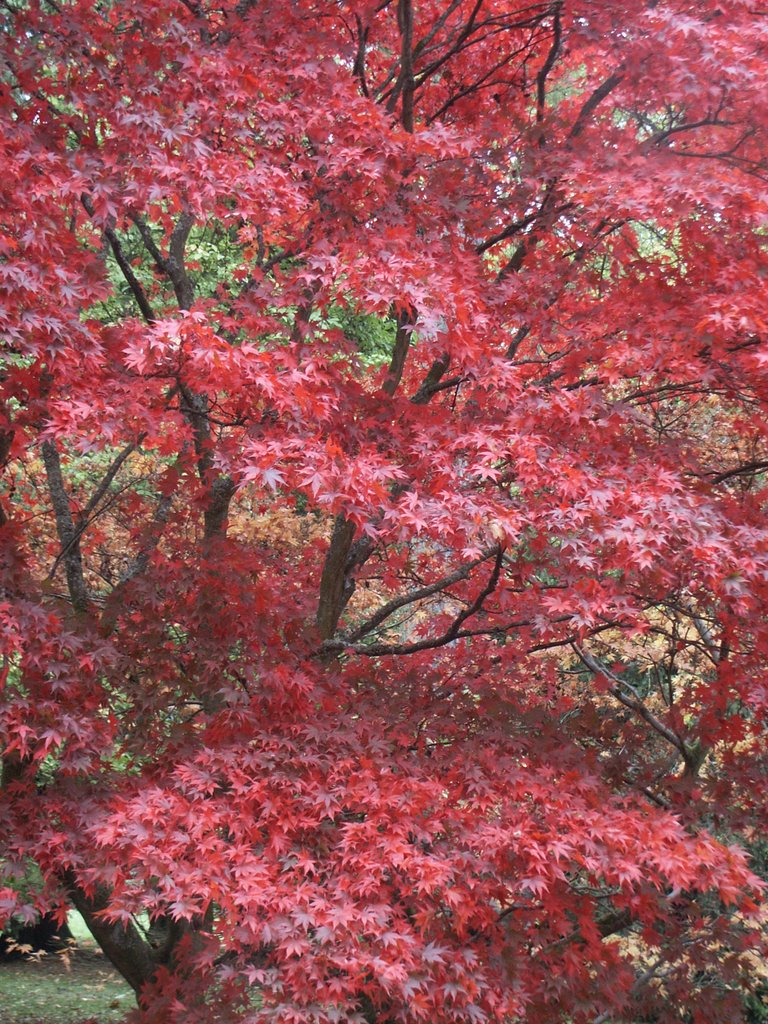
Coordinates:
[454,632]
[84,518]
[171,265]
[633,703]
[594,101]
[405,80]
[333,582]
[65,527]
[748,469]
[431,382]
[402,344]
[414,595]
[546,68]
[125,267]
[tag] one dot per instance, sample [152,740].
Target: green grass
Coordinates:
[58,989]
[79,930]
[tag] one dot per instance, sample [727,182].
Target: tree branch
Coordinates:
[546,68]
[594,101]
[84,518]
[65,527]
[333,582]
[454,632]
[402,344]
[633,703]
[125,267]
[412,596]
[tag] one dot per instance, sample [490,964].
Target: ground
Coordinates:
[64,989]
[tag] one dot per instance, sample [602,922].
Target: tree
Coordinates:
[430,689]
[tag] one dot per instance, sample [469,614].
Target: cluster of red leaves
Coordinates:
[350,770]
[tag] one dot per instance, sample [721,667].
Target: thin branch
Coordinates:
[125,267]
[507,232]
[171,265]
[412,596]
[85,518]
[454,632]
[594,101]
[748,469]
[617,690]
[546,68]
[405,80]
[358,69]
[440,22]
[110,475]
[431,382]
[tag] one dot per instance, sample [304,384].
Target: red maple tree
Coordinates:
[384,440]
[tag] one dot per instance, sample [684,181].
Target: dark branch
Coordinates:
[454,632]
[412,596]
[594,101]
[125,267]
[65,527]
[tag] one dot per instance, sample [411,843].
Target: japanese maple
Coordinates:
[384,436]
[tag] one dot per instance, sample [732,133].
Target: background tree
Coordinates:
[430,689]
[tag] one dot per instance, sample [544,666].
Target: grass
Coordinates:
[55,988]
[79,930]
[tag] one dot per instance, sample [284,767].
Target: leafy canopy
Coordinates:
[383,434]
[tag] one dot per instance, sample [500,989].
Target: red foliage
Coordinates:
[476,739]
